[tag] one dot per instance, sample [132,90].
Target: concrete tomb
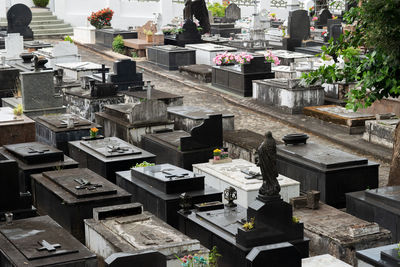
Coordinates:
[171,57]
[63,52]
[205,53]
[379,257]
[15,129]
[105,37]
[381,132]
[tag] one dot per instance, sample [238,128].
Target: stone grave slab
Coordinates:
[160,191]
[34,158]
[77,70]
[53,130]
[171,57]
[183,149]
[243,144]
[190,35]
[12,198]
[35,45]
[330,171]
[378,205]
[353,122]
[206,52]
[187,117]
[69,196]
[62,52]
[245,177]
[107,156]
[380,132]
[377,257]
[19,16]
[41,241]
[238,79]
[224,29]
[137,231]
[168,98]
[340,233]
[312,50]
[223,228]
[150,258]
[323,260]
[15,129]
[105,37]
[132,120]
[288,95]
[200,72]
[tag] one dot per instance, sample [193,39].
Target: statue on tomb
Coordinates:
[198,9]
[267,163]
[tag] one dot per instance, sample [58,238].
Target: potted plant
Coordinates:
[93,135]
[101,19]
[149,36]
[41,3]
[243,60]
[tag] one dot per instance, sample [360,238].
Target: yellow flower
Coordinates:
[217,150]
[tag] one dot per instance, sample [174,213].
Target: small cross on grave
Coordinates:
[47,246]
[103,72]
[37,151]
[252,175]
[117,149]
[85,184]
[170,175]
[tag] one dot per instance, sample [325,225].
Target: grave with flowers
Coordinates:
[236,72]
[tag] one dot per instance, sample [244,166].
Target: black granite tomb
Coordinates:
[11,198]
[159,187]
[323,17]
[224,29]
[150,258]
[239,78]
[8,78]
[184,149]
[190,35]
[54,130]
[69,196]
[379,205]
[330,171]
[106,37]
[40,241]
[171,57]
[36,158]
[385,256]
[103,88]
[274,255]
[298,29]
[125,76]
[19,17]
[107,156]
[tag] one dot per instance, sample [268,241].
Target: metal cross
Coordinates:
[85,184]
[170,175]
[39,151]
[47,246]
[103,72]
[117,149]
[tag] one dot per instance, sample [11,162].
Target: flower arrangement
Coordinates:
[93,132]
[295,219]
[199,261]
[101,18]
[243,58]
[18,110]
[311,11]
[272,16]
[249,225]
[224,58]
[217,154]
[147,32]
[312,28]
[144,164]
[314,19]
[334,17]
[324,34]
[270,57]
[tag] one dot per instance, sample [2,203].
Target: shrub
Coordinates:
[118,44]
[69,39]
[101,18]
[217,10]
[41,3]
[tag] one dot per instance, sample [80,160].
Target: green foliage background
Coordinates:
[41,3]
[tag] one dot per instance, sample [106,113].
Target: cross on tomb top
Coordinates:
[37,151]
[103,72]
[252,174]
[47,246]
[171,173]
[85,184]
[117,148]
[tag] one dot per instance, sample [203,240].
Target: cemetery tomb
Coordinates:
[15,129]
[69,196]
[8,77]
[352,122]
[184,149]
[286,57]
[36,45]
[298,29]
[12,198]
[323,260]
[335,232]
[127,228]
[58,129]
[312,50]
[107,156]
[105,37]
[190,35]
[159,188]
[19,17]
[379,257]
[40,241]
[223,227]
[140,43]
[381,132]
[243,144]
[224,29]
[63,52]
[85,35]
[34,158]
[149,258]
[76,70]
[245,177]
[239,78]
[150,93]
[328,170]
[200,72]
[206,52]
[187,117]
[213,39]
[14,44]
[288,95]
[336,93]
[132,120]
[171,57]
[379,205]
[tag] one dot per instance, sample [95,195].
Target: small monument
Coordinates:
[19,17]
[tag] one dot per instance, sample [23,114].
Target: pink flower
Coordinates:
[312,28]
[314,18]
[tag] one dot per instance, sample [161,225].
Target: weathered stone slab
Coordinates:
[200,72]
[380,132]
[168,98]
[243,144]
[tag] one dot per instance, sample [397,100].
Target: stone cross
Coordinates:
[85,184]
[103,72]
[47,246]
[38,151]
[117,149]
[171,175]
[252,175]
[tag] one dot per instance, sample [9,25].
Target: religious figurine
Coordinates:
[199,9]
[267,163]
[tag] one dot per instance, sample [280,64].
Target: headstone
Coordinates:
[19,17]
[327,170]
[188,117]
[299,25]
[150,258]
[63,52]
[138,232]
[232,13]
[381,132]
[15,129]
[171,57]
[323,17]
[69,196]
[34,158]
[190,35]
[40,241]
[107,156]
[14,45]
[205,53]
[126,77]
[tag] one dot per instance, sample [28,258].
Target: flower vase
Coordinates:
[149,38]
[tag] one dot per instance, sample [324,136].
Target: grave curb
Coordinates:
[300,121]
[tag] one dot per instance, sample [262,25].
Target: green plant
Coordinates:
[118,44]
[41,3]
[213,257]
[249,225]
[101,18]
[144,164]
[217,9]
[18,110]
[295,219]
[148,32]
[398,250]
[134,54]
[69,39]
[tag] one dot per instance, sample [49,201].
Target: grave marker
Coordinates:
[19,17]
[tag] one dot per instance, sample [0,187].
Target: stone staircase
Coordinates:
[46,25]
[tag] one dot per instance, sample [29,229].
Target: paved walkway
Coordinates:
[250,115]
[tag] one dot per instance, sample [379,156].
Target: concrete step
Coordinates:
[41,18]
[44,22]
[52,36]
[49,26]
[54,31]
[42,13]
